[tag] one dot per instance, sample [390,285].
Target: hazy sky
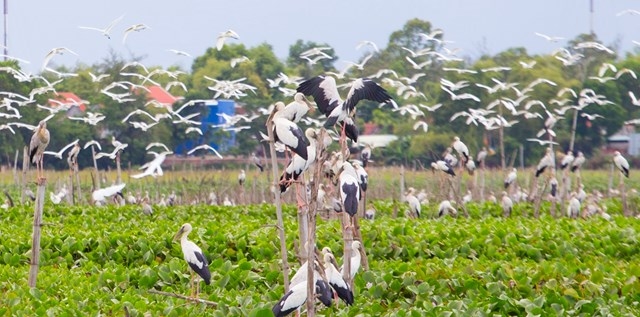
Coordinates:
[37,26]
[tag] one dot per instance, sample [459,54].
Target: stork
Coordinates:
[194,256]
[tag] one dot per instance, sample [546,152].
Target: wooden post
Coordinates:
[25,167]
[15,170]
[119,171]
[37,223]
[623,195]
[276,192]
[96,182]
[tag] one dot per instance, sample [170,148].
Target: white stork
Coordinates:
[461,148]
[443,166]
[567,160]
[365,155]
[242,176]
[546,161]
[298,165]
[554,187]
[100,195]
[445,207]
[507,204]
[573,210]
[511,177]
[621,163]
[363,176]
[578,161]
[257,161]
[297,294]
[325,94]
[356,257]
[295,110]
[287,132]
[349,188]
[482,155]
[335,279]
[38,144]
[414,203]
[194,256]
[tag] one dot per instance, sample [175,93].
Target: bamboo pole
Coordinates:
[278,203]
[37,226]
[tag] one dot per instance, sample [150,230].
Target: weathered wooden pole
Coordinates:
[25,167]
[118,170]
[276,193]
[37,226]
[16,180]
[96,180]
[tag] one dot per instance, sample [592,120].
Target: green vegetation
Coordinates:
[100,260]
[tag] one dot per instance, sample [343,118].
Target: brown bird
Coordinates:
[38,144]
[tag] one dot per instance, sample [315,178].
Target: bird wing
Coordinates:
[324,92]
[102,193]
[365,89]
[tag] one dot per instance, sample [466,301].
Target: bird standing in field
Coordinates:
[445,208]
[414,203]
[573,210]
[242,177]
[507,204]
[621,163]
[194,257]
[38,144]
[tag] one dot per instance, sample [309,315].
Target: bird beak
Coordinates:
[179,234]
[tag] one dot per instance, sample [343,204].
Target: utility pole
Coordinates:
[590,16]
[6,28]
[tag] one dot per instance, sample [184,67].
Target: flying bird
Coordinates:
[134,28]
[53,52]
[223,36]
[325,94]
[106,31]
[59,153]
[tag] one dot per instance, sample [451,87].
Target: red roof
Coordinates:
[160,95]
[68,98]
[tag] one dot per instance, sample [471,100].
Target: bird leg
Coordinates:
[343,136]
[191,288]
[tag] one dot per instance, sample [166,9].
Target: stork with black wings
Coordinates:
[325,93]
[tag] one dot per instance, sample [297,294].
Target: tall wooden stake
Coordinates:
[96,183]
[276,192]
[37,223]
[25,167]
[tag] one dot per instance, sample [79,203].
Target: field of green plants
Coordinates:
[99,260]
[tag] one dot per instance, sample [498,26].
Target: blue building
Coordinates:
[211,114]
